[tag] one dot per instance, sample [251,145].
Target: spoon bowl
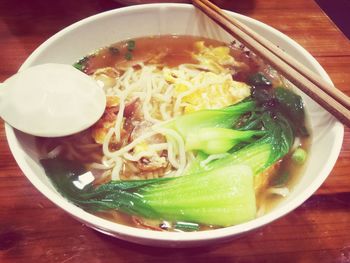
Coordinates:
[51,100]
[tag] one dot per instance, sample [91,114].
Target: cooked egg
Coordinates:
[214,58]
[212,88]
[141,147]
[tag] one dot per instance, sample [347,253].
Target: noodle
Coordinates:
[283,191]
[119,122]
[181,147]
[117,168]
[125,149]
[138,156]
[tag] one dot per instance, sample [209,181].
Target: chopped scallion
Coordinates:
[131,45]
[128,55]
[299,156]
[79,66]
[186,226]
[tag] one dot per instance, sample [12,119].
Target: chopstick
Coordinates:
[329,97]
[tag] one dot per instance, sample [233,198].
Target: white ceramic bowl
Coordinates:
[87,35]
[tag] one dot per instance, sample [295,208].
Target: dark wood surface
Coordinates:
[32,229]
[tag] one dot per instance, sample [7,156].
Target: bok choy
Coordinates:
[211,130]
[218,140]
[198,197]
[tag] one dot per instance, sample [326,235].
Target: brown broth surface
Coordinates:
[169,50]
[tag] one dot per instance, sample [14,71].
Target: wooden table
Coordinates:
[32,229]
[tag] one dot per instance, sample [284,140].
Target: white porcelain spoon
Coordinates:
[51,100]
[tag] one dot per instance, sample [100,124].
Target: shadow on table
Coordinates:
[40,18]
[24,25]
[37,20]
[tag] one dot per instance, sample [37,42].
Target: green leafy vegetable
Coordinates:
[199,197]
[279,100]
[211,130]
[190,124]
[299,156]
[292,106]
[258,80]
[262,153]
[218,140]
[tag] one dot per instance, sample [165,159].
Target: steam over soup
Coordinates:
[196,134]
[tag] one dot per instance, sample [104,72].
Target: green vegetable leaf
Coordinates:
[279,100]
[292,106]
[226,191]
[213,140]
[198,198]
[262,153]
[258,80]
[222,118]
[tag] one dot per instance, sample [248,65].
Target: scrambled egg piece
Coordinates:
[214,92]
[106,77]
[141,147]
[214,58]
[212,88]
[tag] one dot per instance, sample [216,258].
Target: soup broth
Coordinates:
[152,80]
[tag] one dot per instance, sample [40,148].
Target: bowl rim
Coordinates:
[126,232]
